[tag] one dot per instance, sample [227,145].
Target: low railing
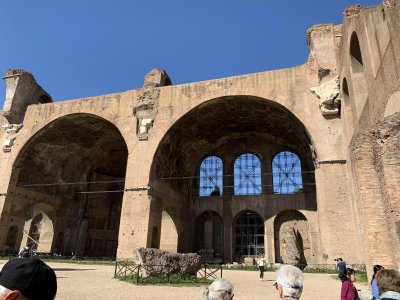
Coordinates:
[209,272]
[127,268]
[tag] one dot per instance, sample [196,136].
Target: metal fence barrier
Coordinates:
[126,268]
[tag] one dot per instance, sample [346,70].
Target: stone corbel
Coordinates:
[329,95]
[11,130]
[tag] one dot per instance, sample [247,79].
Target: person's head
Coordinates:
[377,268]
[27,279]
[220,289]
[289,282]
[25,252]
[340,259]
[388,280]
[350,274]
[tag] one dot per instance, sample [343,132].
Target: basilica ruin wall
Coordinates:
[147,146]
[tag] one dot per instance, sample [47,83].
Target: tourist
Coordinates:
[388,282]
[349,291]
[220,289]
[27,279]
[261,266]
[341,265]
[216,191]
[24,252]
[374,286]
[289,282]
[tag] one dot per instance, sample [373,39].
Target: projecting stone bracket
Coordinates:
[329,94]
[12,130]
[144,125]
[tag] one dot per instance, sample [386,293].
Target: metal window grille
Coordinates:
[247,175]
[249,235]
[211,171]
[286,169]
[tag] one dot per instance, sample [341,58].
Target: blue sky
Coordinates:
[86,48]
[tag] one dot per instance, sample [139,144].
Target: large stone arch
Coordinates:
[233,122]
[227,127]
[75,166]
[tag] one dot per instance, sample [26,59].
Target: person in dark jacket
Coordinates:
[341,265]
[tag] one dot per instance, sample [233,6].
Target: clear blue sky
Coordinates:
[86,48]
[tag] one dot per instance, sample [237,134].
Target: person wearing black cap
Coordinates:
[27,279]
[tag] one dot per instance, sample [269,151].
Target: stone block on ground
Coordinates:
[156,262]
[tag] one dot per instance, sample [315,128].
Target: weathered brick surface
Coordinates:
[376,169]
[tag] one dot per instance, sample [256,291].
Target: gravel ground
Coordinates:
[96,282]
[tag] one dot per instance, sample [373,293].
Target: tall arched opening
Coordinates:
[209,233]
[292,238]
[249,235]
[199,153]
[75,168]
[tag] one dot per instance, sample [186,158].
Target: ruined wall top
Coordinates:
[352,10]
[22,90]
[322,66]
[156,78]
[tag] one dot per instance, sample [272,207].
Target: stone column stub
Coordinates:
[146,108]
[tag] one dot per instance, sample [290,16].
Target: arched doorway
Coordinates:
[209,236]
[249,235]
[11,240]
[75,167]
[292,241]
[41,233]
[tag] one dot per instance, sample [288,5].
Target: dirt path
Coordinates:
[96,282]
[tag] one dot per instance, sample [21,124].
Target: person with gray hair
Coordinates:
[289,282]
[219,289]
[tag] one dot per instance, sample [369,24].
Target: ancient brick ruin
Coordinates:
[300,163]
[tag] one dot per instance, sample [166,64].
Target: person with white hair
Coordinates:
[219,289]
[289,282]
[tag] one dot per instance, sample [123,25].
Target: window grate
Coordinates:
[286,170]
[211,172]
[247,175]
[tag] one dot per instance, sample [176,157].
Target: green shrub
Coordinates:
[173,279]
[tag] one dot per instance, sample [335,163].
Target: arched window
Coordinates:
[357,65]
[286,171]
[211,172]
[12,236]
[247,175]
